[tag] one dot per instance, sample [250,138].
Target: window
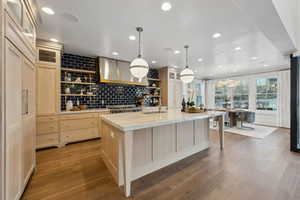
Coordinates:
[198,94]
[241,95]
[195,92]
[266,94]
[221,94]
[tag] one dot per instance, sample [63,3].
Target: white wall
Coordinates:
[281,117]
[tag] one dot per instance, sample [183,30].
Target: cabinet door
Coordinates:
[28,118]
[47,90]
[171,93]
[13,84]
[178,93]
[15,8]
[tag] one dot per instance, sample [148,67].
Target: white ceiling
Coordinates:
[99,27]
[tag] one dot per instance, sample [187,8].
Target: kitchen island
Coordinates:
[136,144]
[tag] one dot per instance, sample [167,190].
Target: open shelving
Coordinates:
[79,95]
[78,83]
[78,71]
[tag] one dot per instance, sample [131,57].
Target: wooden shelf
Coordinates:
[152,95]
[78,71]
[153,79]
[152,87]
[79,95]
[78,83]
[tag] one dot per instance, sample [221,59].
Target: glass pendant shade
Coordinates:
[139,68]
[187,75]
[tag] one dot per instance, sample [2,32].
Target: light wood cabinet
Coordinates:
[48,99]
[20,120]
[48,140]
[47,90]
[18,97]
[29,118]
[48,131]
[172,89]
[48,78]
[13,110]
[78,135]
[78,127]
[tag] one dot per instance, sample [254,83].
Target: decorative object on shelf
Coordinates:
[81,91]
[139,66]
[187,75]
[67,90]
[78,80]
[69,105]
[68,77]
[78,102]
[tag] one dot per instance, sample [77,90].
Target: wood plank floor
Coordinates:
[247,169]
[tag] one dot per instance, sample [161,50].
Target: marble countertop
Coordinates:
[84,111]
[138,120]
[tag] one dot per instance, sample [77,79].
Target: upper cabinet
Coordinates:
[20,26]
[29,29]
[15,8]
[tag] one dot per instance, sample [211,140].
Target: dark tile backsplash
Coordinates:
[106,94]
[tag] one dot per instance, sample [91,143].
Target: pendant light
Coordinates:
[187,75]
[139,67]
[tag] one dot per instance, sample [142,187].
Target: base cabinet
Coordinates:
[61,129]
[78,135]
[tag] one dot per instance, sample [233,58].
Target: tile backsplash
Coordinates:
[105,94]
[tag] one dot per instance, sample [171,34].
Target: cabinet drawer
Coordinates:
[48,140]
[47,127]
[47,118]
[67,125]
[78,135]
[79,116]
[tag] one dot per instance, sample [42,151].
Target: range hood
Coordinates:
[117,71]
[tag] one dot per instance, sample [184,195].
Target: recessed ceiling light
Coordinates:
[115,53]
[216,35]
[200,59]
[48,11]
[132,37]
[238,48]
[53,40]
[153,62]
[266,65]
[166,6]
[175,66]
[254,58]
[176,52]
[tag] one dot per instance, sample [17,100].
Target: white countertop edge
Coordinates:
[161,123]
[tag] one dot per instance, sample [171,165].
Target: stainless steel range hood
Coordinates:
[117,71]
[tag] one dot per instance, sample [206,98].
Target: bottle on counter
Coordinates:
[183,104]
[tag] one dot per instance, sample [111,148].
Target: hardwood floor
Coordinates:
[247,169]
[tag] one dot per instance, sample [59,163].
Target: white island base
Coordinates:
[145,143]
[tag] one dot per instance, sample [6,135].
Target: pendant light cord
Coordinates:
[187,55]
[139,29]
[139,53]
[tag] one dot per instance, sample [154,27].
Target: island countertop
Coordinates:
[138,120]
